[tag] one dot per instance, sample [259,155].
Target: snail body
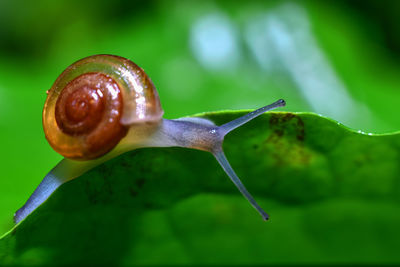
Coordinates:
[105,105]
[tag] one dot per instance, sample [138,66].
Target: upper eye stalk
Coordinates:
[105,105]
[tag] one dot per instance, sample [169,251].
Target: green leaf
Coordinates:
[332,193]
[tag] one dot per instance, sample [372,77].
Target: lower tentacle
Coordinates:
[220,156]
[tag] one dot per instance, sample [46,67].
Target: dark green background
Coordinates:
[267,50]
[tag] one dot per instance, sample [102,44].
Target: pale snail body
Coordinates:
[104,105]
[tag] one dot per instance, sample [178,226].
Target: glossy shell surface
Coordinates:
[128,83]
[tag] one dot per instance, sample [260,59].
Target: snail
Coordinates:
[105,105]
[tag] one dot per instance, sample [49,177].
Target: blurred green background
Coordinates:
[336,58]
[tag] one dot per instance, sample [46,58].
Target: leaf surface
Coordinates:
[332,194]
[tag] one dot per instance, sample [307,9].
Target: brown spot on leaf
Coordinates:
[285,142]
[288,122]
[279,132]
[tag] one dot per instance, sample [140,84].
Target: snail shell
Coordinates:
[93,102]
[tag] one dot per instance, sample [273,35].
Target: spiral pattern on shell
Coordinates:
[92,104]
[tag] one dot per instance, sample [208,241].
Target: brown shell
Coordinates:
[93,102]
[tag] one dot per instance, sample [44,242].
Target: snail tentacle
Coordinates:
[230,126]
[223,161]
